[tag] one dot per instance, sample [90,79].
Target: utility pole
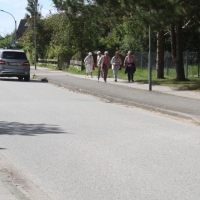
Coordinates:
[149,63]
[35,39]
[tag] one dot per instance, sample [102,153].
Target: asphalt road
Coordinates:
[74,146]
[127,93]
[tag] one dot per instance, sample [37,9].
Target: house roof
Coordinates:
[23,25]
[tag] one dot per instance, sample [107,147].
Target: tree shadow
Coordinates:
[16,80]
[16,128]
[193,84]
[126,82]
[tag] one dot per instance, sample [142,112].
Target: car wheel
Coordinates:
[20,78]
[27,78]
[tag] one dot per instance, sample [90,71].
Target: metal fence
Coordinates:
[191,63]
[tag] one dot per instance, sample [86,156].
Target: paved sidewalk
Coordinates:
[156,88]
[185,104]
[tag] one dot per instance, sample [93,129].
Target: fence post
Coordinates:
[141,61]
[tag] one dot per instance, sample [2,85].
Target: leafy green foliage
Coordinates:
[5,42]
[32,4]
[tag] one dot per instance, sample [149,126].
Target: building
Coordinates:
[23,25]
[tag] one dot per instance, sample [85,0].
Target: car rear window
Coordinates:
[14,55]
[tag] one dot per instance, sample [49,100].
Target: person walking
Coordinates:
[129,63]
[104,62]
[99,55]
[116,63]
[89,64]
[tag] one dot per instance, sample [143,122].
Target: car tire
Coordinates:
[27,78]
[20,78]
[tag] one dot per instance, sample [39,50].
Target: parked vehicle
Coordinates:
[14,63]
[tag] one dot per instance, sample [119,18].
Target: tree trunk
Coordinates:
[160,54]
[83,55]
[173,42]
[180,74]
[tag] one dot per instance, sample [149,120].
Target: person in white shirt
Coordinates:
[116,64]
[89,64]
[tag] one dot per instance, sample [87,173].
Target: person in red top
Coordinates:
[104,62]
[129,63]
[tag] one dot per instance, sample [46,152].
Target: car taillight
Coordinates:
[2,62]
[26,64]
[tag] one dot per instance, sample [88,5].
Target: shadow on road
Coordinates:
[2,149]
[16,80]
[15,128]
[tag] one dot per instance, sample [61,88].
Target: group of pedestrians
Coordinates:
[104,61]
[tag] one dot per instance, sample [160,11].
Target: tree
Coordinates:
[32,8]
[61,42]
[84,24]
[184,11]
[5,42]
[160,54]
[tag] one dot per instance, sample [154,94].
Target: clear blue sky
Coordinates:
[17,9]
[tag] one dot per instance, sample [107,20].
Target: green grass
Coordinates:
[48,66]
[169,80]
[141,75]
[188,84]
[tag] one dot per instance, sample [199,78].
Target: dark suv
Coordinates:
[14,63]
